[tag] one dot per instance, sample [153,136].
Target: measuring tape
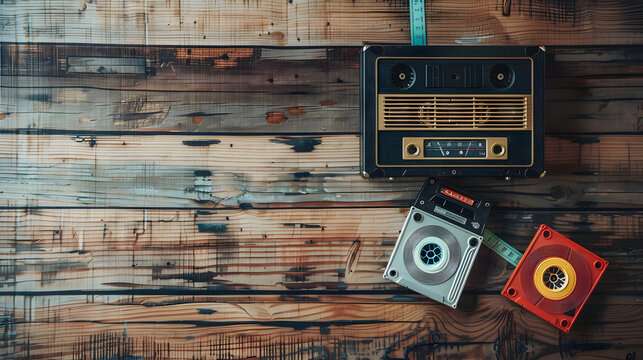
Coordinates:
[418,31]
[418,37]
[501,248]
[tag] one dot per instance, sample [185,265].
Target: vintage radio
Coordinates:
[452,110]
[439,242]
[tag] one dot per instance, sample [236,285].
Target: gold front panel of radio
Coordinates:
[455,148]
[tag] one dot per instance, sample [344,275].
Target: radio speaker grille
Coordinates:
[454,112]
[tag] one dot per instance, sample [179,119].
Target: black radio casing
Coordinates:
[460,80]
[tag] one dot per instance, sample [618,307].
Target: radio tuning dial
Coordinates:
[413,150]
[498,149]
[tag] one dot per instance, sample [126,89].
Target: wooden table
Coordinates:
[212,208]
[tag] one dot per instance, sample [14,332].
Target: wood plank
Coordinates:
[56,309]
[275,171]
[192,89]
[491,327]
[259,89]
[306,23]
[115,251]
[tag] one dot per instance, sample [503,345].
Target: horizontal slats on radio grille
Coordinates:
[455,112]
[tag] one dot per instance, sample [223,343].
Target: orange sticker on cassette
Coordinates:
[455,195]
[554,278]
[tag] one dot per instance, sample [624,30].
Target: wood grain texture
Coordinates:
[491,327]
[227,252]
[275,171]
[259,89]
[257,239]
[304,22]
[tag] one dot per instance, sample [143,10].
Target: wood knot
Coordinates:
[559,192]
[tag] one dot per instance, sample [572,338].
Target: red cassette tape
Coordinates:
[554,278]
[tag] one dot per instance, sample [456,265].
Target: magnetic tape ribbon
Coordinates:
[501,248]
[418,22]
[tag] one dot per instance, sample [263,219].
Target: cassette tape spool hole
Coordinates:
[555,278]
[431,255]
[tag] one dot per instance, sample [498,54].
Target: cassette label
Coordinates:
[455,195]
[461,219]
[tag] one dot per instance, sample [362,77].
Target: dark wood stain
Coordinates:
[300,175]
[299,144]
[206,311]
[201,142]
[202,173]
[214,228]
[39,97]
[302,225]
[298,273]
[200,277]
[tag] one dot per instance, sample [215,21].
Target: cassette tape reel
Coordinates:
[438,243]
[554,278]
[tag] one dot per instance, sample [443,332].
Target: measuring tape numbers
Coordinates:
[418,22]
